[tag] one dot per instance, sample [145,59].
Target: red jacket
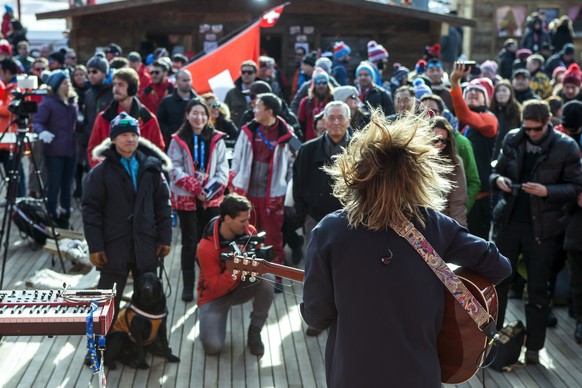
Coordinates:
[148,126]
[5,115]
[145,79]
[152,95]
[214,280]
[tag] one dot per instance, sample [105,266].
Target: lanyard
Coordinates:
[96,364]
[265,140]
[199,158]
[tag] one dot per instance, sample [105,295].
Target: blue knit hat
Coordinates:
[320,75]
[367,66]
[56,78]
[123,123]
[341,49]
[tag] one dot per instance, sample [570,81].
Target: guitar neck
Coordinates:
[284,271]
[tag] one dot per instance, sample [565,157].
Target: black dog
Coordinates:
[141,326]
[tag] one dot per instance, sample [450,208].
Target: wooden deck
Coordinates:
[291,360]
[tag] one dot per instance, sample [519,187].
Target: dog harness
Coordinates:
[126,315]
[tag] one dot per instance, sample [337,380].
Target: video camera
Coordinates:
[27,86]
[252,247]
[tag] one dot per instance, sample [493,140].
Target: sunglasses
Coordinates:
[247,72]
[156,72]
[431,65]
[535,129]
[320,83]
[215,105]
[441,141]
[93,71]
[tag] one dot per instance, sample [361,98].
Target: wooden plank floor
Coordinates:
[292,359]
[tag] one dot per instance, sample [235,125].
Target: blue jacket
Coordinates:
[60,119]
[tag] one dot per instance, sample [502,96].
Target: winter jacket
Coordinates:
[480,128]
[312,192]
[171,112]
[540,84]
[237,103]
[97,99]
[457,200]
[505,125]
[280,168]
[467,155]
[214,280]
[184,186]
[145,78]
[558,168]
[6,116]
[308,109]
[285,113]
[303,91]
[126,223]
[554,61]
[60,119]
[536,40]
[560,37]
[378,97]
[505,60]
[525,95]
[152,95]
[451,45]
[379,334]
[148,126]
[339,72]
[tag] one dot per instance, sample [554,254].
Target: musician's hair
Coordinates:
[389,172]
[233,204]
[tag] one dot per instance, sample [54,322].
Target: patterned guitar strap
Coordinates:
[482,318]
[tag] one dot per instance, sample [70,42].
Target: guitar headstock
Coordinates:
[244,266]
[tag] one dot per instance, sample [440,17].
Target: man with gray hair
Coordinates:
[312,191]
[171,109]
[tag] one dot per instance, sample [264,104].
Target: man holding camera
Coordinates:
[539,172]
[217,290]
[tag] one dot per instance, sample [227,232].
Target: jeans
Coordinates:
[60,172]
[212,315]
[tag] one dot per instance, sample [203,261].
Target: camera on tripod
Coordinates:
[27,86]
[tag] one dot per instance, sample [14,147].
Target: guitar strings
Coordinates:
[290,285]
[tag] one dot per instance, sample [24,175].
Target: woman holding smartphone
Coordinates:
[198,155]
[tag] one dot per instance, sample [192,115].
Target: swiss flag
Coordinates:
[270,18]
[217,70]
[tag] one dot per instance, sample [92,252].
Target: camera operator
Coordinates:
[217,290]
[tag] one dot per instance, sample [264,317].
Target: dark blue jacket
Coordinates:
[384,319]
[60,119]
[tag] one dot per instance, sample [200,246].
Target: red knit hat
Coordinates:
[484,85]
[573,75]
[5,47]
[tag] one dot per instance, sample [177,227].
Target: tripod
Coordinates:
[12,179]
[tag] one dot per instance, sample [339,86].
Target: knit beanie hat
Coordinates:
[319,75]
[123,123]
[572,75]
[114,48]
[98,63]
[484,85]
[420,66]
[134,56]
[376,52]
[420,88]
[341,49]
[342,93]
[523,53]
[57,56]
[367,66]
[568,49]
[572,115]
[490,65]
[56,78]
[310,58]
[557,70]
[324,63]
[400,73]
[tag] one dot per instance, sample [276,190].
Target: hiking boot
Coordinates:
[532,357]
[578,332]
[188,292]
[254,341]
[552,320]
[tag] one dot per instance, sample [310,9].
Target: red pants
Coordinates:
[268,215]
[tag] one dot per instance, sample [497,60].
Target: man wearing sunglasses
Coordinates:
[160,87]
[236,99]
[539,173]
[320,93]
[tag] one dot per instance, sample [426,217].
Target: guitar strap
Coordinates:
[482,318]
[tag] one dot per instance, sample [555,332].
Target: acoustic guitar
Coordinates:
[462,346]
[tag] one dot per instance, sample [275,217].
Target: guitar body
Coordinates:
[460,343]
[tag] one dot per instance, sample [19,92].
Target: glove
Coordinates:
[98,259]
[46,137]
[162,250]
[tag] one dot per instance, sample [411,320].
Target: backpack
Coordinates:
[31,218]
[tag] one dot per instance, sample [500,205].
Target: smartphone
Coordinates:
[468,64]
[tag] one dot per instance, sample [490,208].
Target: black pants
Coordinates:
[192,224]
[107,279]
[514,239]
[479,218]
[575,267]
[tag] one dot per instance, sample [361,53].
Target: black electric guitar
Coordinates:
[461,344]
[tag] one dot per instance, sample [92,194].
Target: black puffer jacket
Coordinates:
[125,223]
[558,168]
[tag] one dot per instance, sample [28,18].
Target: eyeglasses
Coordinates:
[215,105]
[155,72]
[93,71]
[440,141]
[535,129]
[247,72]
[320,83]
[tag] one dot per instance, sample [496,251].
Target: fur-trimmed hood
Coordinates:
[144,145]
